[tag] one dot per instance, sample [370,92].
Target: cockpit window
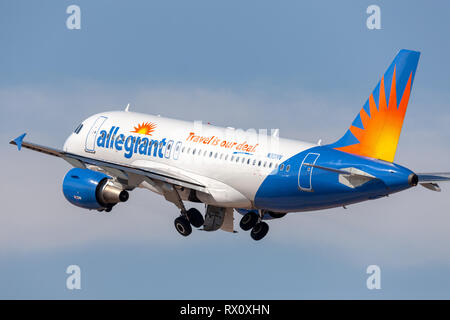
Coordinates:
[78,129]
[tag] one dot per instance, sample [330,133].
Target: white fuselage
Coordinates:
[231,163]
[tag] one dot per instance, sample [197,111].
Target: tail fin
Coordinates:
[376,129]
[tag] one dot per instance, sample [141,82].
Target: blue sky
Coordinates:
[304,67]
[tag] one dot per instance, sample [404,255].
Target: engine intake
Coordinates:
[91,189]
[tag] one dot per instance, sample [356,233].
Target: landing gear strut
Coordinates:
[188,217]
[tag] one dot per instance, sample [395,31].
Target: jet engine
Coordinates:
[92,190]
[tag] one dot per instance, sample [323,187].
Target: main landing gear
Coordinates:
[252,220]
[190,217]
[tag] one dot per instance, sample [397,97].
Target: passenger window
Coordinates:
[232,158]
[265,162]
[254,162]
[259,163]
[176,154]
[188,150]
[237,159]
[210,154]
[204,153]
[215,156]
[248,161]
[270,165]
[226,157]
[193,152]
[168,149]
[281,167]
[182,150]
[288,167]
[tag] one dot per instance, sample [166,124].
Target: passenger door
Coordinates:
[92,135]
[305,172]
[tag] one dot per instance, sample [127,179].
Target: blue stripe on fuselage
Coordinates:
[280,190]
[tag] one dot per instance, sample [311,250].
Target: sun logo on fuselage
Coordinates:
[146,128]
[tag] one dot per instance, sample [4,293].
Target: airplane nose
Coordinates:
[413,179]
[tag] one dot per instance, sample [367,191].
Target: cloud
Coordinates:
[404,229]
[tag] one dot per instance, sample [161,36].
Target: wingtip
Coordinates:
[18,141]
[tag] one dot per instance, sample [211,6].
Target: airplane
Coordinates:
[262,177]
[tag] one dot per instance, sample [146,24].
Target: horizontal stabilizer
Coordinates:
[433,177]
[350,177]
[347,171]
[429,180]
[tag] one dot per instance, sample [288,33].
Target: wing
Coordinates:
[430,180]
[122,171]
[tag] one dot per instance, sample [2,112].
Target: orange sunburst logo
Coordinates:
[382,128]
[146,128]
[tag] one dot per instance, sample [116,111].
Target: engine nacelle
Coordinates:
[91,189]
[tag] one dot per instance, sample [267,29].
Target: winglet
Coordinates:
[127,108]
[18,141]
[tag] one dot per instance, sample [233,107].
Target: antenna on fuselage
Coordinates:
[127,108]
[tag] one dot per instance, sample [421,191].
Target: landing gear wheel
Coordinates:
[195,217]
[277,215]
[259,231]
[183,226]
[248,221]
